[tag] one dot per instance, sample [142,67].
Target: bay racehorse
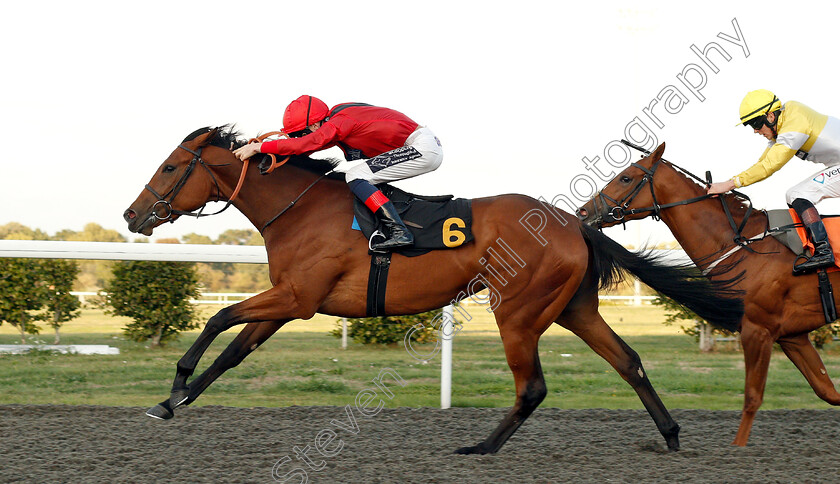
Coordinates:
[317,263]
[779,307]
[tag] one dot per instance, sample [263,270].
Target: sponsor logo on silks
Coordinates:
[834,172]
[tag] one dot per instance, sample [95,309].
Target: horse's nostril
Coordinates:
[129,215]
[581,213]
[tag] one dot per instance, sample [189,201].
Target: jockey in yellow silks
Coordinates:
[794,129]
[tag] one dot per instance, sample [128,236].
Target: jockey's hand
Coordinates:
[248,150]
[721,187]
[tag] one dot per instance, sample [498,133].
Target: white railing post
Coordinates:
[344,333]
[637,293]
[447,330]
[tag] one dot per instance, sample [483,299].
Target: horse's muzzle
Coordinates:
[588,217]
[138,225]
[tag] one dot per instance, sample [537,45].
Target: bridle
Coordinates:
[166,199]
[620,209]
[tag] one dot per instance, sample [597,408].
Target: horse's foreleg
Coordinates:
[276,304]
[524,361]
[246,342]
[758,346]
[803,354]
[592,329]
[249,339]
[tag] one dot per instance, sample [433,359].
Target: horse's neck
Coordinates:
[263,197]
[701,228]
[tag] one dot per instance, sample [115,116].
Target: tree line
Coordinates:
[155,295]
[212,277]
[34,291]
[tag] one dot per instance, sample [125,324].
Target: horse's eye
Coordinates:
[625,179]
[168,169]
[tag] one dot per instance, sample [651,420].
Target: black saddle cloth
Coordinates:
[438,222]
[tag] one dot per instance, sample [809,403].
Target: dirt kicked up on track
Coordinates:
[90,444]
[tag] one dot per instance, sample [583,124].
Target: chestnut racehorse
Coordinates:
[317,263]
[779,307]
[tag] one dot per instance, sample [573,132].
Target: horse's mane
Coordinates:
[223,136]
[227,137]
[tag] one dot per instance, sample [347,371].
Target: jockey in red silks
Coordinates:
[383,145]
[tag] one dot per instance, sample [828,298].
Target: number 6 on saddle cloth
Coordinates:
[440,222]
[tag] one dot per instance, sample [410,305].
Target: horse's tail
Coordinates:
[717,302]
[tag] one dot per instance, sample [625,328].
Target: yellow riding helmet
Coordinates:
[758,103]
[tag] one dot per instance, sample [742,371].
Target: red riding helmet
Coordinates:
[302,112]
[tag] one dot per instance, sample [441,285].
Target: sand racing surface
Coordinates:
[91,444]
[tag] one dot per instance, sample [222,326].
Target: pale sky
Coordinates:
[95,95]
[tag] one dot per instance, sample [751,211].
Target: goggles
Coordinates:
[756,123]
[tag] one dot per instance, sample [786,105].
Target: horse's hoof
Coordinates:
[475,449]
[160,411]
[672,438]
[178,397]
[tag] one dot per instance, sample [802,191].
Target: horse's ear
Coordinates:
[657,153]
[203,140]
[201,136]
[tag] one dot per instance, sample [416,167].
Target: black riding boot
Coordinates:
[400,236]
[823,254]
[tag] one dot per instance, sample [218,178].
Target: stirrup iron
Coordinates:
[376,233]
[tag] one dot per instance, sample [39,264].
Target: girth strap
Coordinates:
[827,297]
[377,283]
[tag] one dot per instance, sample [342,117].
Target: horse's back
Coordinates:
[520,216]
[546,235]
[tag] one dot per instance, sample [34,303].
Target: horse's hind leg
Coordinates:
[802,353]
[524,361]
[249,339]
[587,323]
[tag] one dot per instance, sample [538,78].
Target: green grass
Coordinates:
[301,367]
[625,320]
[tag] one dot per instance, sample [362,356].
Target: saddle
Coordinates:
[437,222]
[789,230]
